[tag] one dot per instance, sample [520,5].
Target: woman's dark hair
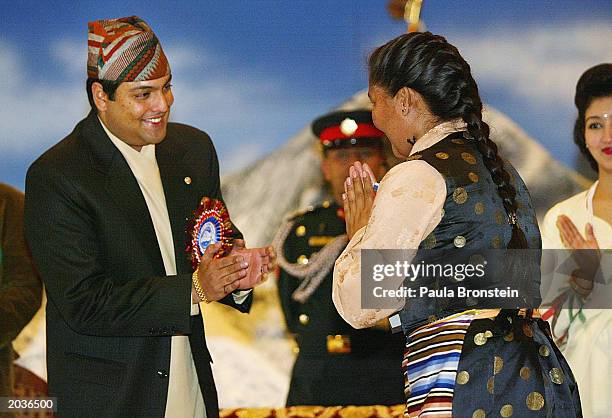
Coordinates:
[594,83]
[428,64]
[109,87]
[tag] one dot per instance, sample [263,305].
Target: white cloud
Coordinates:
[541,64]
[9,66]
[70,54]
[33,113]
[187,57]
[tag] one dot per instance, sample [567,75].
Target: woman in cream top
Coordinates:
[453,192]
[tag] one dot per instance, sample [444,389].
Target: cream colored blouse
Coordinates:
[407,208]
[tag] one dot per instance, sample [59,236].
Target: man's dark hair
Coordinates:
[108,86]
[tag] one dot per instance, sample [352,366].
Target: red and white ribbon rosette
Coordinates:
[210,225]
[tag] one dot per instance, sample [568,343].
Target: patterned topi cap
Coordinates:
[124,49]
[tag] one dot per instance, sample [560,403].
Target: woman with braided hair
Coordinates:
[470,357]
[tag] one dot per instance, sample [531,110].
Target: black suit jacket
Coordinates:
[112,310]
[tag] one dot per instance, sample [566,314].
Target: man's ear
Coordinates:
[100,97]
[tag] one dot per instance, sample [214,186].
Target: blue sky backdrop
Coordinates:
[254,73]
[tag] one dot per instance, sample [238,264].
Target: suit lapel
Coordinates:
[123,189]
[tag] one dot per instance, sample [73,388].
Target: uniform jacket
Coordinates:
[336,364]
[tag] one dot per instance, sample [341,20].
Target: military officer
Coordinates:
[336,364]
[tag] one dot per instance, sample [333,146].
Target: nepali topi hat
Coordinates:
[124,49]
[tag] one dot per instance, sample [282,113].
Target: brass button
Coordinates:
[459,241]
[302,259]
[509,336]
[506,411]
[480,339]
[460,195]
[187,180]
[479,413]
[442,155]
[544,351]
[300,231]
[527,330]
[535,401]
[304,319]
[468,158]
[556,375]
[326,204]
[525,373]
[463,377]
[458,141]
[473,177]
[488,334]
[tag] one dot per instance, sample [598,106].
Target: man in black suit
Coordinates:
[106,215]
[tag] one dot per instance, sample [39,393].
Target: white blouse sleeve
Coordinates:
[551,238]
[407,208]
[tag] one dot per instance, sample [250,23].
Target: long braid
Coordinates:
[488,149]
[431,66]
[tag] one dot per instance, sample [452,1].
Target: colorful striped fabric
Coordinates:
[430,364]
[124,49]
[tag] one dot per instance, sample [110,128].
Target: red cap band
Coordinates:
[364,130]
